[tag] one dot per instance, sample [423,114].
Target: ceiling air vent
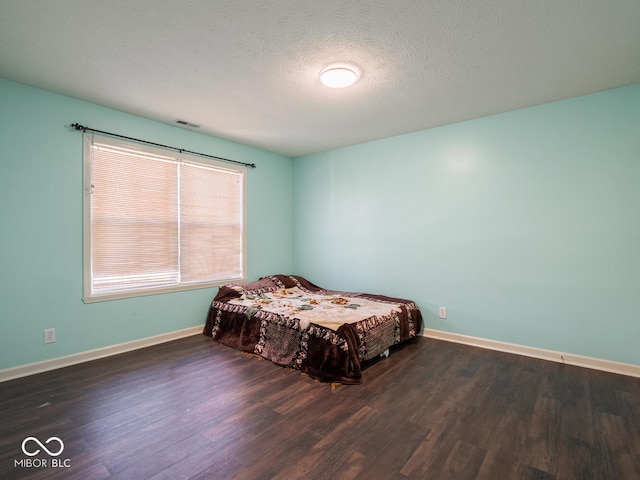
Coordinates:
[184,123]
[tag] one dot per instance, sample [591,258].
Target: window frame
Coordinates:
[179,157]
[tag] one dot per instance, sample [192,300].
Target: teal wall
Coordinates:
[525,225]
[41,228]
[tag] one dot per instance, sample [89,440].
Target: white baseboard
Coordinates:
[54,363]
[560,357]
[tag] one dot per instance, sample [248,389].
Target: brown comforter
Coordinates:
[325,334]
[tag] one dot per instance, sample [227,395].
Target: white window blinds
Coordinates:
[157,222]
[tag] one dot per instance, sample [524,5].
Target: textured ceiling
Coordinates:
[247,70]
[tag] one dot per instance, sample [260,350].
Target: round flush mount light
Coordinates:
[338,77]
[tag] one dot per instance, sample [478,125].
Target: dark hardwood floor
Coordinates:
[194,409]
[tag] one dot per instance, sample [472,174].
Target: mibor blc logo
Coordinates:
[32,453]
[53,447]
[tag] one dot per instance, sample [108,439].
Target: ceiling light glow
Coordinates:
[338,77]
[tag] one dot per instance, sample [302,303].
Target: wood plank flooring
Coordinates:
[194,409]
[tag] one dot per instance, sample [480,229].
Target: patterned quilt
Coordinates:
[324,333]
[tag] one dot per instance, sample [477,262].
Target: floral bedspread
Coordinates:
[326,334]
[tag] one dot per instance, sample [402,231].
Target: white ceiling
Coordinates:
[247,70]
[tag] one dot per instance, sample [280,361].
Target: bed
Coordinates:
[326,334]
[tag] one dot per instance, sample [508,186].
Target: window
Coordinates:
[157,222]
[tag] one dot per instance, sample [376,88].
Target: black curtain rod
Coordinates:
[79,127]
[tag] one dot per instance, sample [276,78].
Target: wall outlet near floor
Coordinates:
[49,335]
[443,312]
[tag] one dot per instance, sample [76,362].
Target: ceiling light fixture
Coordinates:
[338,77]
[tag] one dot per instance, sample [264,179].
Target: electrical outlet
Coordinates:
[49,335]
[443,312]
